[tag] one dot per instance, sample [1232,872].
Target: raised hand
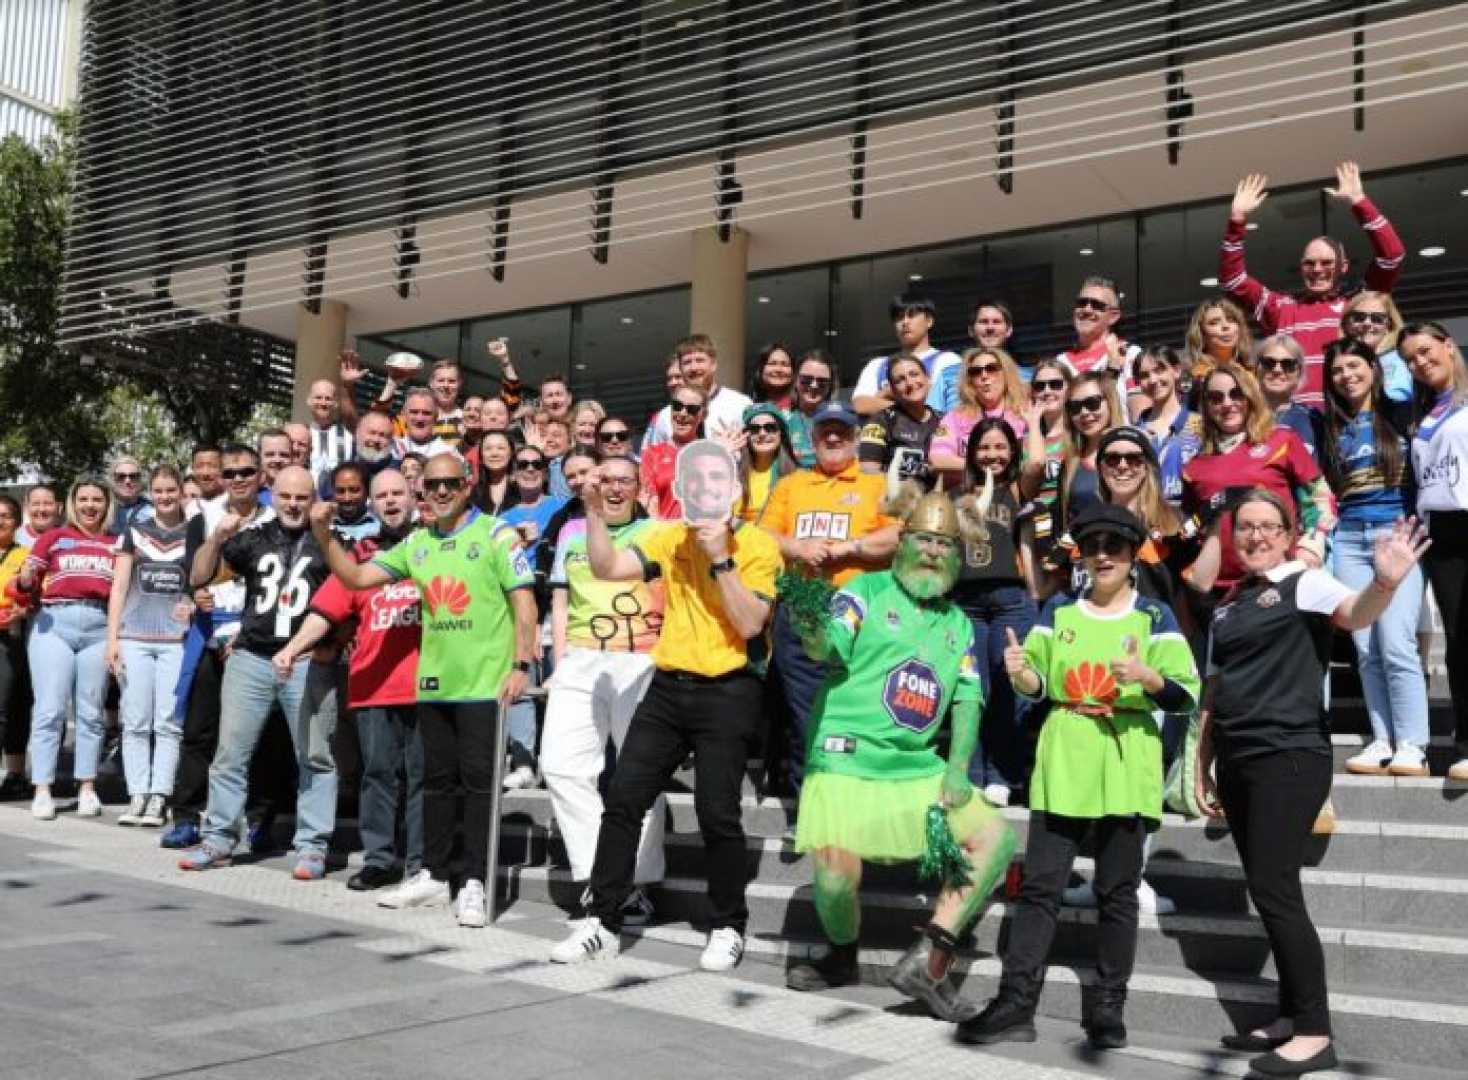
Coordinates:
[1129,667]
[1398,551]
[593,499]
[713,537]
[322,514]
[228,525]
[350,367]
[1249,195]
[1347,183]
[1015,662]
[498,350]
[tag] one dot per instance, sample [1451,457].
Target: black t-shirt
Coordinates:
[892,433]
[1268,652]
[995,562]
[281,569]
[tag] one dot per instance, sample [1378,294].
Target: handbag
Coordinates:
[1178,790]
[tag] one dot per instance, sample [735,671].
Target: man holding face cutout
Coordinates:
[719,583]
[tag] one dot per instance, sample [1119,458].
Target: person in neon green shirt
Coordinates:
[479,640]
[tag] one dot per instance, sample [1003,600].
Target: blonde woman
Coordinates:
[1372,319]
[1218,333]
[990,386]
[584,419]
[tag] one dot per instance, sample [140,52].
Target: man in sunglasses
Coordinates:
[912,323]
[1311,316]
[1096,312]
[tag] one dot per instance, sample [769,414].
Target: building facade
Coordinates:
[40,43]
[593,180]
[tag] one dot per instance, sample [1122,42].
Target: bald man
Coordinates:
[331,442]
[281,565]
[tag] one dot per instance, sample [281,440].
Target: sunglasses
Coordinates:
[1220,397]
[1091,302]
[614,436]
[238,474]
[814,382]
[1287,364]
[124,477]
[1106,543]
[762,429]
[682,408]
[1132,459]
[1375,318]
[984,369]
[443,483]
[1048,385]
[1093,404]
[531,463]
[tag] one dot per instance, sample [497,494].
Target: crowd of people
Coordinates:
[1108,547]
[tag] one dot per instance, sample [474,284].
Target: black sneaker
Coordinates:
[837,968]
[373,877]
[15,788]
[1007,1018]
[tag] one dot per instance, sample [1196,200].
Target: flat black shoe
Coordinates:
[1271,1064]
[1250,1043]
[372,877]
[1003,1020]
[837,968]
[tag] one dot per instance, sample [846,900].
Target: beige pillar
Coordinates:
[716,307]
[319,341]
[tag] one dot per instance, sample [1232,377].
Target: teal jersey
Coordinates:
[894,667]
[465,578]
[1100,751]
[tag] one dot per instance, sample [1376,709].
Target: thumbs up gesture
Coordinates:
[1014,654]
[1129,668]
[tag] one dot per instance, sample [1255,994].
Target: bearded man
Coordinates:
[897,654]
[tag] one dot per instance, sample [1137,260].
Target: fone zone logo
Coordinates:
[912,694]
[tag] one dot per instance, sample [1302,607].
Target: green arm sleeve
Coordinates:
[965,736]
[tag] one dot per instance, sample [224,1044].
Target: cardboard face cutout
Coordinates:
[706,481]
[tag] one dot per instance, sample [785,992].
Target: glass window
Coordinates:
[622,350]
[539,341]
[791,308]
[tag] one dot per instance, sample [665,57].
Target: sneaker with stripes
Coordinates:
[588,940]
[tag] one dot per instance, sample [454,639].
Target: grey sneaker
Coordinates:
[154,814]
[910,978]
[133,815]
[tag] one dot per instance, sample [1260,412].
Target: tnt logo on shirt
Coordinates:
[912,694]
[822,525]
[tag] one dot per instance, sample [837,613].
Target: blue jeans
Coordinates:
[801,679]
[309,700]
[151,731]
[521,720]
[1002,754]
[389,741]
[1391,667]
[68,661]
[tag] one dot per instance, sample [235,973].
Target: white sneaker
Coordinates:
[470,905]
[155,814]
[133,815]
[996,793]
[724,950]
[43,807]
[1372,760]
[588,940]
[521,777]
[1150,902]
[1082,896]
[420,890]
[1409,760]
[88,805]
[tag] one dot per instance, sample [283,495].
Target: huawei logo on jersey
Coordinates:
[447,593]
[1090,686]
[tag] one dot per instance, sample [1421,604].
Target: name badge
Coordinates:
[839,744]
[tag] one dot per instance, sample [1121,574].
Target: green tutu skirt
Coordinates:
[880,820]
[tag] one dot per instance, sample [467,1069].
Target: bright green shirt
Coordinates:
[1100,751]
[894,667]
[609,616]
[465,578]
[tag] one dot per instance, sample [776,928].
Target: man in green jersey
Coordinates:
[898,654]
[479,628]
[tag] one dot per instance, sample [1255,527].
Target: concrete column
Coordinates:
[716,307]
[319,341]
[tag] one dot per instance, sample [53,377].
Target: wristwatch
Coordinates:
[715,569]
[523,665]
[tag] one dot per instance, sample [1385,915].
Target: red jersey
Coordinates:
[659,462]
[75,566]
[1279,464]
[1313,321]
[384,664]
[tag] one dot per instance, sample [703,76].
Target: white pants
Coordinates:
[592,696]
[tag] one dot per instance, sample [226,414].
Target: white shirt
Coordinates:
[1440,460]
[330,446]
[403,445]
[725,412]
[873,378]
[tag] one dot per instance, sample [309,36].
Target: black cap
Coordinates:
[1128,433]
[1102,517]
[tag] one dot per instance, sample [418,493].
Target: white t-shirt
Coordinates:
[873,378]
[1094,358]
[1440,460]
[725,413]
[403,445]
[1318,593]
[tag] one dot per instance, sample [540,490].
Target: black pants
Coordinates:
[459,744]
[15,694]
[1054,841]
[272,768]
[1271,801]
[1446,563]
[716,719]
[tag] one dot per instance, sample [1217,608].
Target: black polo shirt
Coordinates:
[1269,651]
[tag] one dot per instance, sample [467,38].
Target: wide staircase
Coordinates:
[1388,892]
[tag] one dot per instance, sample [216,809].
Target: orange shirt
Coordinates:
[844,506]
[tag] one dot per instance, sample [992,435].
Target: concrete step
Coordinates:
[1229,945]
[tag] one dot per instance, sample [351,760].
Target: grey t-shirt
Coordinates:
[160,581]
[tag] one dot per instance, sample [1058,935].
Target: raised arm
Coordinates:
[1395,555]
[206,569]
[607,562]
[1387,249]
[1233,274]
[353,575]
[747,612]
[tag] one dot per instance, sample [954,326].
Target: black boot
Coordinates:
[1010,1017]
[837,968]
[1107,1026]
